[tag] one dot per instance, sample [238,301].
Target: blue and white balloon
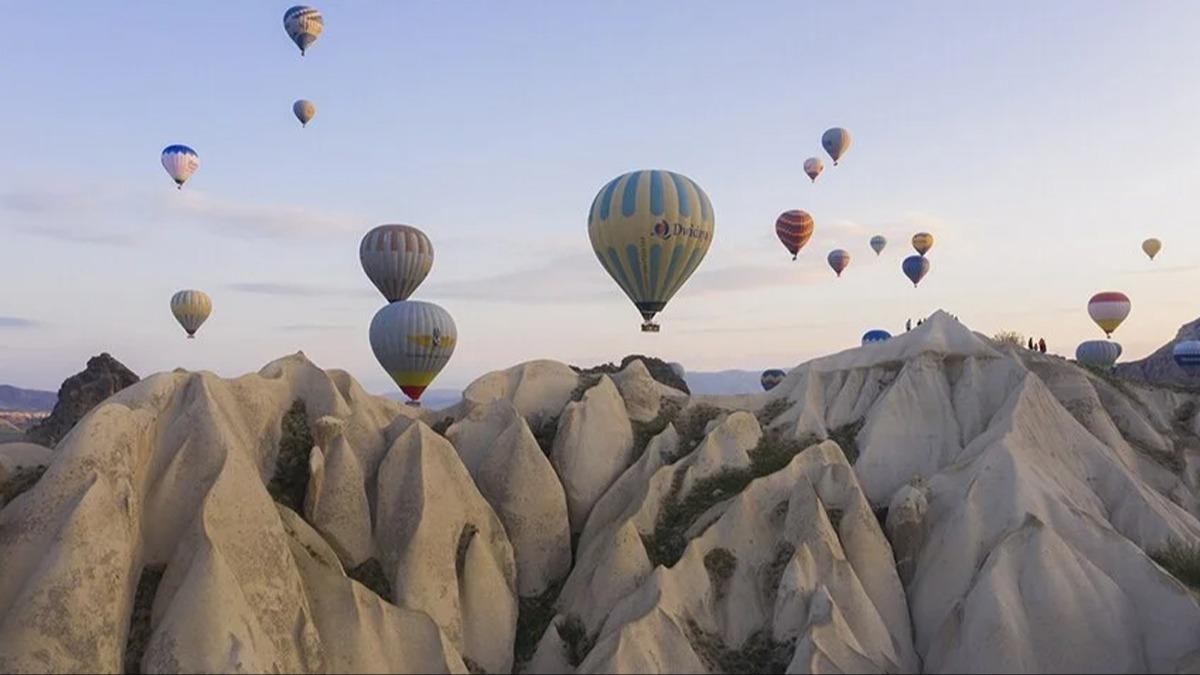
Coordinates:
[876,335]
[303,25]
[181,162]
[1187,355]
[1102,353]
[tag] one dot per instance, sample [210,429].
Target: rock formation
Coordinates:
[933,503]
[1160,367]
[103,377]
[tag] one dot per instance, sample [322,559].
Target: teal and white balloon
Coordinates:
[878,243]
[303,25]
[1102,353]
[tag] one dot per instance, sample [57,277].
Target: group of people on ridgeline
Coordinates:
[1039,346]
[908,325]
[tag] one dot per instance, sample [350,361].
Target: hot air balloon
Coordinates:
[839,260]
[1187,355]
[650,230]
[794,228]
[915,268]
[876,335]
[836,142]
[922,241]
[813,166]
[181,162]
[771,378]
[413,341]
[878,243]
[304,110]
[191,308]
[1108,310]
[1151,247]
[1101,353]
[304,25]
[396,258]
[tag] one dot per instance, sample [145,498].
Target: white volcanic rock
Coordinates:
[516,478]
[16,456]
[643,395]
[444,549]
[593,446]
[538,389]
[336,503]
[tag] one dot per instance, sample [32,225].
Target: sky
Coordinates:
[1039,142]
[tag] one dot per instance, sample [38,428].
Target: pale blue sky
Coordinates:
[1039,142]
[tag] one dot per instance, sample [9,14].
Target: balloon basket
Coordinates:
[415,404]
[650,327]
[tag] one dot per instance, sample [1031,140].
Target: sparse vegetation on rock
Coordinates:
[1182,560]
[19,482]
[289,483]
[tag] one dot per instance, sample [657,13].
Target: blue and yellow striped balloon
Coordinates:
[303,25]
[650,230]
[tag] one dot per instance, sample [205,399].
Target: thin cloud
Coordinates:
[568,279]
[1164,270]
[297,290]
[311,327]
[251,221]
[16,323]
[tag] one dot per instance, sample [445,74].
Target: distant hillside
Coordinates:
[725,382]
[1160,367]
[32,400]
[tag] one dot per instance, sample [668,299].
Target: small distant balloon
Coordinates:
[813,166]
[303,25]
[876,335]
[839,260]
[771,378]
[396,258]
[304,110]
[922,242]
[413,341]
[915,268]
[878,243]
[794,228]
[1151,247]
[1187,355]
[191,308]
[836,142]
[181,162]
[1108,310]
[1101,353]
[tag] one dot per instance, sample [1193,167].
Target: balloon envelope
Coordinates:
[1187,355]
[181,162]
[304,110]
[396,258]
[922,242]
[878,243]
[413,341]
[771,378]
[191,308]
[813,166]
[303,25]
[1108,310]
[915,268]
[794,228]
[1151,247]
[650,230]
[876,335]
[836,142]
[1098,353]
[839,260]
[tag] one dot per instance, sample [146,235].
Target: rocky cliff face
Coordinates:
[932,503]
[1160,368]
[103,377]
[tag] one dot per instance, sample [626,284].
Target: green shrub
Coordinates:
[575,635]
[289,483]
[1008,337]
[1181,560]
[760,653]
[846,436]
[535,614]
[370,574]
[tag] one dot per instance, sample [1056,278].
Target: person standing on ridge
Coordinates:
[1029,346]
[1042,345]
[908,325]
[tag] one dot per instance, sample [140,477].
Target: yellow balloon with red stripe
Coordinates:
[1151,247]
[922,242]
[650,230]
